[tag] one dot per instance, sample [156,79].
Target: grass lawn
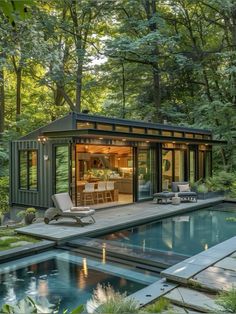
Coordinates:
[10,239]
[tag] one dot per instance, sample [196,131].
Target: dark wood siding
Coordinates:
[42,197]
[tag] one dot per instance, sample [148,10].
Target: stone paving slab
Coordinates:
[26,249]
[193,299]
[228,263]
[216,278]
[187,269]
[152,292]
[112,218]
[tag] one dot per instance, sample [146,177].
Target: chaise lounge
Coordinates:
[65,208]
[183,190]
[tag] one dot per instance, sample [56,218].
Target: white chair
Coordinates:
[88,193]
[110,186]
[100,191]
[65,208]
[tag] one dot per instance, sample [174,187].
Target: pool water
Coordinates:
[61,277]
[185,234]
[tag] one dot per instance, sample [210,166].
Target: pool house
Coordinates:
[80,151]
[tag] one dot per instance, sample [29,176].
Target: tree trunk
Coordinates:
[157,94]
[150,9]
[123,91]
[2,103]
[79,73]
[18,95]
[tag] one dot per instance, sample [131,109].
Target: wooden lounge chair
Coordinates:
[65,208]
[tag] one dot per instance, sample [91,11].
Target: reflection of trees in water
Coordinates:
[62,164]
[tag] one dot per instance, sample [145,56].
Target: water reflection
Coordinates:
[59,283]
[183,234]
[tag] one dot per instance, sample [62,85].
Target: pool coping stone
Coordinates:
[26,249]
[190,267]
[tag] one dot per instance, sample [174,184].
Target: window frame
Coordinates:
[28,188]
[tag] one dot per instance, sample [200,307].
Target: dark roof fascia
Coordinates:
[131,136]
[56,123]
[166,127]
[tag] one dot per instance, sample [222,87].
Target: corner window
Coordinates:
[28,173]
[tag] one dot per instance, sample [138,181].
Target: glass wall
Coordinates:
[62,169]
[104,166]
[192,166]
[23,155]
[179,169]
[33,173]
[201,164]
[167,168]
[147,175]
[208,164]
[28,174]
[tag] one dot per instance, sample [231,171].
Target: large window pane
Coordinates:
[208,164]
[145,173]
[33,171]
[201,164]
[23,169]
[192,167]
[167,168]
[62,169]
[28,162]
[179,165]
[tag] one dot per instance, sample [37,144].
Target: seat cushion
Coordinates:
[79,208]
[164,194]
[83,213]
[186,194]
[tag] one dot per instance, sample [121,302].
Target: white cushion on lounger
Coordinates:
[82,213]
[79,208]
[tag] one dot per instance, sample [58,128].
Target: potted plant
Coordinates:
[28,215]
[202,191]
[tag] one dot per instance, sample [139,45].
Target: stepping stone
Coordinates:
[227,263]
[193,299]
[20,243]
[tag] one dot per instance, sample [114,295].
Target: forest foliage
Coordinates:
[155,60]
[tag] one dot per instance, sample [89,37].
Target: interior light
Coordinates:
[100,138]
[147,141]
[123,139]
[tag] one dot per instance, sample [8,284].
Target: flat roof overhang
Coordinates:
[98,134]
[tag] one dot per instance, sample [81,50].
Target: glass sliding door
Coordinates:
[147,175]
[167,168]
[192,166]
[62,169]
[179,165]
[208,165]
[201,162]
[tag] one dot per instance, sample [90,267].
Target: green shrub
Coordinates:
[222,181]
[228,301]
[159,306]
[118,305]
[106,300]
[202,188]
[4,194]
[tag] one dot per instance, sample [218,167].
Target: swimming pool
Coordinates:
[179,236]
[64,277]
